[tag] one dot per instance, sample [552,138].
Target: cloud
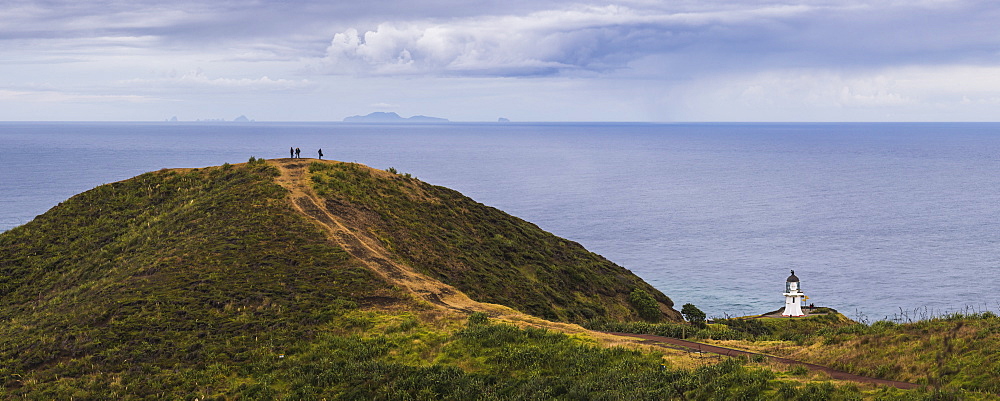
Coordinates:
[828,89]
[198,79]
[52,96]
[866,97]
[517,37]
[718,36]
[677,60]
[912,93]
[198,24]
[87,19]
[540,43]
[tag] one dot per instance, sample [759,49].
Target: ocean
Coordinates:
[879,221]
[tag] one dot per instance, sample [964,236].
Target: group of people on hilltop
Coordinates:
[296,153]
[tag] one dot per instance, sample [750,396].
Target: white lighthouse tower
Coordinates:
[793,297]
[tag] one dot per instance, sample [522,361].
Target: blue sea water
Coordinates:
[877,220]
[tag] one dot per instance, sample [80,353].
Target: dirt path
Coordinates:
[836,374]
[368,249]
[362,245]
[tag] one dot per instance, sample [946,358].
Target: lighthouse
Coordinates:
[793,297]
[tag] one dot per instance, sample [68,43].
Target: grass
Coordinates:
[953,354]
[744,329]
[488,254]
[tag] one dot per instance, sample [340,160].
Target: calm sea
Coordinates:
[876,219]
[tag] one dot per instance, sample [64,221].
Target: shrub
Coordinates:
[798,370]
[644,304]
[753,327]
[693,314]
[478,318]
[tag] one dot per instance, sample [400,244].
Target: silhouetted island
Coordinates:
[391,117]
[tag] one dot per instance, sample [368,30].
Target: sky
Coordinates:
[479,60]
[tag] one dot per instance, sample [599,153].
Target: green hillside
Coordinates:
[180,268]
[166,269]
[486,253]
[290,280]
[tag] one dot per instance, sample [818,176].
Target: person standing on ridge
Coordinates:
[291,153]
[297,153]
[321,154]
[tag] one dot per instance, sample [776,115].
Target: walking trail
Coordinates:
[360,244]
[363,246]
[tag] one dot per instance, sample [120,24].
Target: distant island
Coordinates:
[241,119]
[391,117]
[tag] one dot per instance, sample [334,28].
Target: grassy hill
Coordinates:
[297,280]
[184,267]
[166,269]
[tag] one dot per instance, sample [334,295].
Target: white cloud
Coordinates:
[910,93]
[198,79]
[584,37]
[52,96]
[709,36]
[871,97]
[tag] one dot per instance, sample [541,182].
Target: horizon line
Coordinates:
[251,122]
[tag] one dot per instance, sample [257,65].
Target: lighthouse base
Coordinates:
[793,305]
[795,311]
